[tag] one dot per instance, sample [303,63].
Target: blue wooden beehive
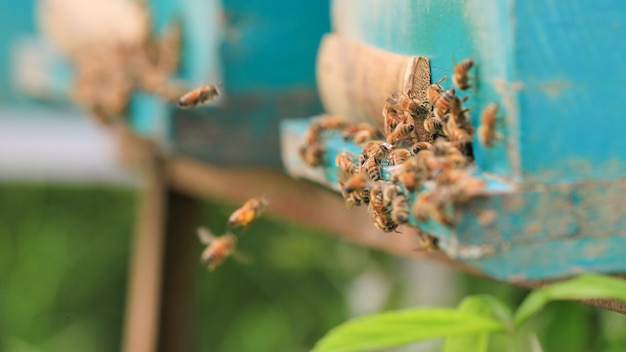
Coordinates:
[556,179]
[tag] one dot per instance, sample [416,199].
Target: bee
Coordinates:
[404,102]
[487,129]
[372,168]
[390,192]
[312,154]
[460,77]
[443,103]
[356,186]
[402,131]
[391,118]
[332,122]
[218,248]
[400,209]
[399,155]
[419,146]
[433,125]
[249,211]
[377,201]
[431,205]
[351,199]
[313,134]
[433,92]
[374,149]
[198,96]
[361,133]
[345,161]
[459,136]
[383,222]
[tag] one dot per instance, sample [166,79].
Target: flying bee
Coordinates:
[218,248]
[312,154]
[433,125]
[400,209]
[249,211]
[345,161]
[460,77]
[419,146]
[487,129]
[372,168]
[198,96]
[402,131]
[433,92]
[399,155]
[404,102]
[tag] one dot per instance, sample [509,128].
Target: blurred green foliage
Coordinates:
[63,271]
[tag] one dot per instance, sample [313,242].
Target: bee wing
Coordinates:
[243,257]
[205,235]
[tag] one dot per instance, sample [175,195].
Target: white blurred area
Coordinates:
[45,145]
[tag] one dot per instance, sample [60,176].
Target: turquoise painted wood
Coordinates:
[557,178]
[538,232]
[263,53]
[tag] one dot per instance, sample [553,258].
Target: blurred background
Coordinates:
[68,214]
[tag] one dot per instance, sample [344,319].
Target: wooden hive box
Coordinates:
[555,180]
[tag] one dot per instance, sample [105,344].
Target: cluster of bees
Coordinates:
[423,146]
[220,247]
[108,75]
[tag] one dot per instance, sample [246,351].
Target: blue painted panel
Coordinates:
[445,31]
[515,232]
[272,45]
[16,19]
[571,64]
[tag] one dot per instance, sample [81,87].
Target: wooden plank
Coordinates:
[355,79]
[508,231]
[141,324]
[177,304]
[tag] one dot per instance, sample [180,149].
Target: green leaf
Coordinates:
[392,329]
[483,305]
[583,287]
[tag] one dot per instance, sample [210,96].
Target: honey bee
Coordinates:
[390,118]
[383,221]
[460,77]
[399,155]
[374,149]
[377,201]
[351,199]
[459,136]
[400,209]
[198,96]
[433,125]
[372,168]
[312,154]
[249,211]
[402,131]
[404,102]
[487,129]
[390,192]
[218,248]
[432,205]
[361,133]
[433,92]
[332,122]
[356,186]
[345,161]
[443,103]
[419,146]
